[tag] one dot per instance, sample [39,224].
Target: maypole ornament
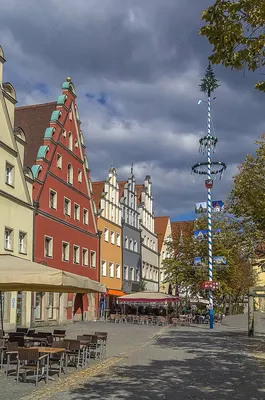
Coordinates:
[209,168]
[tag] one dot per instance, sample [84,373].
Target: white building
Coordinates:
[149,245]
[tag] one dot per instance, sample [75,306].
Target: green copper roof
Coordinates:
[55,115]
[61,99]
[48,133]
[66,85]
[42,152]
[35,170]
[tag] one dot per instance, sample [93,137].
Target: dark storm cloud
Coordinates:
[136,66]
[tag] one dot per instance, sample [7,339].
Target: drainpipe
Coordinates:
[122,227]
[99,253]
[36,205]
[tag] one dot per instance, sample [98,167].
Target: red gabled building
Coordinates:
[65,231]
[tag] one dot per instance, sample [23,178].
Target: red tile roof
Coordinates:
[121,188]
[160,229]
[34,120]
[139,189]
[186,227]
[98,188]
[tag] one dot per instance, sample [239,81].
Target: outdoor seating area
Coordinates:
[182,320]
[27,355]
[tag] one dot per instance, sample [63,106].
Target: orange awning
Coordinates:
[114,292]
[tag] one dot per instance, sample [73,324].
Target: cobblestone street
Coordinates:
[162,363]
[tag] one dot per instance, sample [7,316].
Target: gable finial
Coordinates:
[68,79]
[132,169]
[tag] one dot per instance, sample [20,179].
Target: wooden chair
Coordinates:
[2,351]
[74,352]
[22,330]
[11,354]
[58,358]
[31,360]
[102,338]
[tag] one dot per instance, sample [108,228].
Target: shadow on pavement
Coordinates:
[186,365]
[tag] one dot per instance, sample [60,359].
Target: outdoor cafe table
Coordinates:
[50,351]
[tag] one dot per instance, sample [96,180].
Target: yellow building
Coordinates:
[260,269]
[16,210]
[107,199]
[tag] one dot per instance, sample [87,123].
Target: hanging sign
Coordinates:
[210,285]
[209,183]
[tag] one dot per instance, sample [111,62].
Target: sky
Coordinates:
[136,66]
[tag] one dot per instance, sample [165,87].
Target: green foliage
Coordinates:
[209,82]
[235,28]
[247,199]
[236,243]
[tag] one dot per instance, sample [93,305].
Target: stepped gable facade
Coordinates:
[66,235]
[131,235]
[107,203]
[164,234]
[149,241]
[16,206]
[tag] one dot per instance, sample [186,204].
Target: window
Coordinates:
[79,175]
[76,144]
[103,268]
[67,207]
[106,234]
[132,273]
[70,141]
[126,243]
[93,259]
[76,254]
[163,255]
[137,274]
[77,212]
[9,239]
[85,257]
[9,174]
[65,251]
[131,244]
[53,199]
[112,237]
[22,242]
[70,174]
[51,306]
[135,247]
[85,216]
[125,272]
[38,305]
[118,271]
[111,270]
[59,161]
[48,246]
[118,239]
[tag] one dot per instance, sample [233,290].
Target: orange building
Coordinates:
[107,200]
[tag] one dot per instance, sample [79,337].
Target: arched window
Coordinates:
[135,246]
[70,143]
[70,174]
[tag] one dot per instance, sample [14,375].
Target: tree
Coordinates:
[235,28]
[209,82]
[236,243]
[247,198]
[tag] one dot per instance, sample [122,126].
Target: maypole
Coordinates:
[209,168]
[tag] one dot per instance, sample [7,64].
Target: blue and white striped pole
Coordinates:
[209,212]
